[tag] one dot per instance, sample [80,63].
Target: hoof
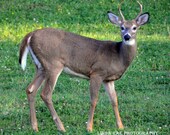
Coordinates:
[62,129]
[89,129]
[35,129]
[121,127]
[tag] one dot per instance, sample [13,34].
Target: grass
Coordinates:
[143,91]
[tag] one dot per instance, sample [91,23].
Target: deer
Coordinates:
[101,62]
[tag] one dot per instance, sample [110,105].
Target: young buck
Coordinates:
[101,62]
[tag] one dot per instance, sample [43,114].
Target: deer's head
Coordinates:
[129,27]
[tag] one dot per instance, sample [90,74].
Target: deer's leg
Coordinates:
[46,95]
[31,92]
[110,88]
[95,83]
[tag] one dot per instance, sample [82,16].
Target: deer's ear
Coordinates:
[113,18]
[142,19]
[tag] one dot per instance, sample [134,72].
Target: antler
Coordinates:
[140,9]
[121,11]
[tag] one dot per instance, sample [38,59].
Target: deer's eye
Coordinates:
[122,28]
[134,28]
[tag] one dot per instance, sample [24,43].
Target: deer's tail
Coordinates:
[24,50]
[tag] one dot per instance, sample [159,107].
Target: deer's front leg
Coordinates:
[110,88]
[95,83]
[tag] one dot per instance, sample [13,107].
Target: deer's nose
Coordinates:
[127,37]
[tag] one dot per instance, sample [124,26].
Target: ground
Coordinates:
[143,91]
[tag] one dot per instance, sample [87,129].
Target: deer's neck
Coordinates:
[127,53]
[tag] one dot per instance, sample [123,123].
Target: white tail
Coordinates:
[27,49]
[101,62]
[24,58]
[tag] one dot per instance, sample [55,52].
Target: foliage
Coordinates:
[143,91]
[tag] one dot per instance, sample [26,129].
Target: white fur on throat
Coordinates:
[129,42]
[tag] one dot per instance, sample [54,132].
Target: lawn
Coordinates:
[143,91]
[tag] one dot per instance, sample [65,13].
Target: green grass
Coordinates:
[143,91]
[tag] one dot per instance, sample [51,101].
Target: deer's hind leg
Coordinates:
[31,93]
[46,95]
